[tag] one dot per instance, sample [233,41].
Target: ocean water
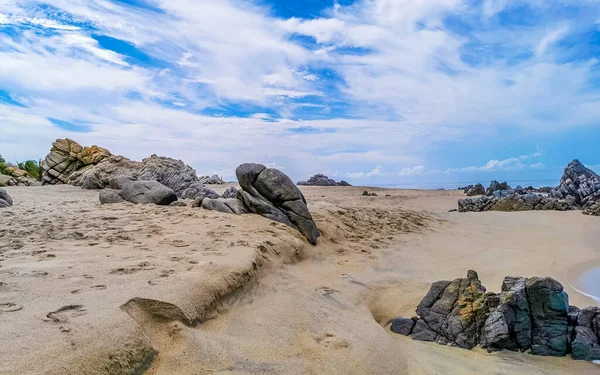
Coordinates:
[451,185]
[585,278]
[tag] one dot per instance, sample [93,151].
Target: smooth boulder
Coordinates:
[137,191]
[5,199]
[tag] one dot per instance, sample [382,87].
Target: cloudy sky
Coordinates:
[371,91]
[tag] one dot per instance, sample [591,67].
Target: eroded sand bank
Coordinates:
[91,289]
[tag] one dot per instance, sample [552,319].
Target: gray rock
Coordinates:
[225,205]
[109,196]
[178,204]
[5,198]
[592,208]
[272,194]
[422,332]
[585,344]
[403,326]
[496,186]
[321,180]
[145,192]
[211,180]
[231,192]
[549,306]
[578,182]
[6,180]
[475,190]
[503,200]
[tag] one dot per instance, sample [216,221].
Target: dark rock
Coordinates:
[585,344]
[231,192]
[272,194]
[579,182]
[367,194]
[321,180]
[211,180]
[503,200]
[422,332]
[144,191]
[475,190]
[592,208]
[5,199]
[549,306]
[403,326]
[109,196]
[495,186]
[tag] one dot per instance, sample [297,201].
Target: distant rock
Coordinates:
[137,191]
[513,201]
[475,190]
[579,182]
[321,180]
[496,186]
[231,192]
[211,180]
[529,314]
[5,199]
[367,194]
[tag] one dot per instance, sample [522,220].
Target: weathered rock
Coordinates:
[579,182]
[231,192]
[495,186]
[422,332]
[6,180]
[403,326]
[549,306]
[592,208]
[67,156]
[109,196]
[321,180]
[211,180]
[16,171]
[509,324]
[178,204]
[5,199]
[513,201]
[585,344]
[475,190]
[272,194]
[140,191]
[455,311]
[225,205]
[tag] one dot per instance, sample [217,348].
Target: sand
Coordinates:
[126,289]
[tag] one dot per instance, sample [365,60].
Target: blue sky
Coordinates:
[376,92]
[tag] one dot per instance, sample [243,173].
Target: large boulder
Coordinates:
[67,156]
[496,186]
[6,180]
[579,182]
[549,306]
[475,190]
[321,180]
[5,199]
[585,344]
[272,194]
[137,191]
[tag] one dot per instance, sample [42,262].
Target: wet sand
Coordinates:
[123,289]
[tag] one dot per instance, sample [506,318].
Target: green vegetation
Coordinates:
[33,168]
[2,166]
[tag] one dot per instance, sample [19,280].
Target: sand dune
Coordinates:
[124,289]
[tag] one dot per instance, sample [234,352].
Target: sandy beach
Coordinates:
[145,289]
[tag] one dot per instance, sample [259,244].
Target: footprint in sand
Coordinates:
[9,307]
[65,313]
[331,341]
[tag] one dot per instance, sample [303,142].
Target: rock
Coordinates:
[109,196]
[321,180]
[231,192]
[455,310]
[585,344]
[549,306]
[197,202]
[144,191]
[6,180]
[514,201]
[5,199]
[579,182]
[178,204]
[367,194]
[592,208]
[211,180]
[422,332]
[509,324]
[403,326]
[495,186]
[67,156]
[16,171]
[225,205]
[272,194]
[476,190]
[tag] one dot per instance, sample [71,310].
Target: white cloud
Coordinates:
[409,171]
[355,174]
[552,37]
[378,170]
[509,164]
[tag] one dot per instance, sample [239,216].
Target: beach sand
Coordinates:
[132,289]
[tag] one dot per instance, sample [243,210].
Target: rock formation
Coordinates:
[321,180]
[5,199]
[579,182]
[67,156]
[475,190]
[496,186]
[513,201]
[6,180]
[137,191]
[211,180]
[528,314]
[592,208]
[231,192]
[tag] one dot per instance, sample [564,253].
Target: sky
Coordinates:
[419,93]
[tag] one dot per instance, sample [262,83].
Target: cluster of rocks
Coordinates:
[366,193]
[5,199]
[579,188]
[137,191]
[94,167]
[321,180]
[529,314]
[23,180]
[269,193]
[592,208]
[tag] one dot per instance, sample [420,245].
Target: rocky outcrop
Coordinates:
[6,180]
[496,186]
[579,182]
[231,192]
[513,201]
[5,199]
[211,180]
[67,156]
[321,180]
[592,208]
[528,314]
[475,190]
[272,194]
[137,191]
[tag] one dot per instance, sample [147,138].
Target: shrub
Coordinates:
[33,168]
